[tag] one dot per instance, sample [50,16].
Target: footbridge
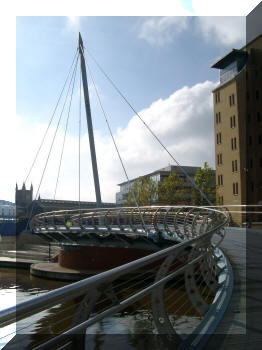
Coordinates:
[180,292]
[176,223]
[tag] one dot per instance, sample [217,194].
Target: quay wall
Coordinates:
[18,242]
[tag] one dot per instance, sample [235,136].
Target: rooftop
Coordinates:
[188,169]
[230,57]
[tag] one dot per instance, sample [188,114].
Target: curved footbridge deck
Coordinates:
[196,266]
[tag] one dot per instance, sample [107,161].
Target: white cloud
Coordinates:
[162,30]
[183,121]
[217,30]
[224,30]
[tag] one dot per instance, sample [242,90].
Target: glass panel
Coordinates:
[229,72]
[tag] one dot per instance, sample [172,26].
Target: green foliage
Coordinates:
[145,190]
[171,191]
[206,181]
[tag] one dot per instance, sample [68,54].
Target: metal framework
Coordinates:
[177,223]
[153,284]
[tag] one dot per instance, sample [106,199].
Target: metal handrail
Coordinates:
[124,220]
[37,304]
[187,256]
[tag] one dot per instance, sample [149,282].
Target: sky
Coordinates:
[160,63]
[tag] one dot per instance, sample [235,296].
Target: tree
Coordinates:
[205,180]
[145,191]
[171,191]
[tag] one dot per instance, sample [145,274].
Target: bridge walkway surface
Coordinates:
[241,326]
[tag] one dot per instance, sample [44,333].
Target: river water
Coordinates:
[17,286]
[125,328]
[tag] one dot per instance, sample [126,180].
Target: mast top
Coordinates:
[80,41]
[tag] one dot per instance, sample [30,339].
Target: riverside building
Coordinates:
[157,176]
[238,128]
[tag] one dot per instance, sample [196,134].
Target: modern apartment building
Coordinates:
[157,176]
[238,127]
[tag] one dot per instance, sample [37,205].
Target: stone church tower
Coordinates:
[23,198]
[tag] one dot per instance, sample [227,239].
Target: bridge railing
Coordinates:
[175,222]
[166,290]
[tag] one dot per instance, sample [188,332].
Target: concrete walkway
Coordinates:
[241,325]
[30,254]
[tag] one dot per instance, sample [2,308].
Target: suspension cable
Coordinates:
[69,109]
[113,139]
[148,128]
[50,149]
[43,139]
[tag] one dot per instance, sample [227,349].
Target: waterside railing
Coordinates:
[173,222]
[187,281]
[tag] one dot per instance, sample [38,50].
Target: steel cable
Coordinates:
[69,109]
[50,150]
[149,129]
[113,139]
[41,144]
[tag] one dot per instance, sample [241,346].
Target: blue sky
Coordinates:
[144,71]
[162,64]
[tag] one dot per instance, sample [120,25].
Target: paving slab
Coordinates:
[241,326]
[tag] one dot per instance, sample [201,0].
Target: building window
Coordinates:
[219,159]
[231,100]
[258,117]
[234,143]
[259,139]
[220,200]
[234,166]
[220,180]
[219,138]
[233,121]
[217,96]
[218,117]
[251,163]
[235,188]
